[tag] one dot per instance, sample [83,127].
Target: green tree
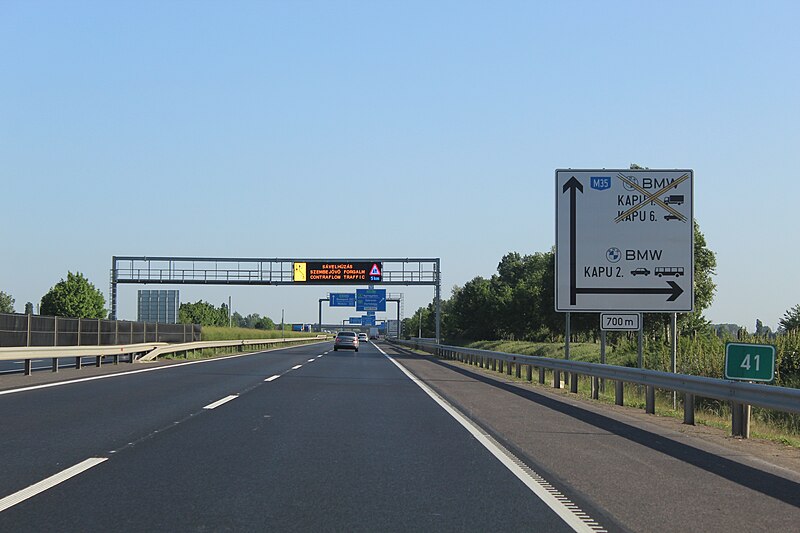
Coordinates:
[28,308]
[203,313]
[790,320]
[74,297]
[6,303]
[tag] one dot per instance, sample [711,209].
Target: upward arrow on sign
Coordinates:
[573,185]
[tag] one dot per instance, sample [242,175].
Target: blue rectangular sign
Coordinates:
[343,299]
[370,299]
[355,320]
[367,320]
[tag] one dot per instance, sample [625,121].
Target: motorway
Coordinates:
[308,439]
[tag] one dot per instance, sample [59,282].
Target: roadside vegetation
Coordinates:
[514,311]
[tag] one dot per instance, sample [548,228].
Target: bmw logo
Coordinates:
[631,179]
[613,255]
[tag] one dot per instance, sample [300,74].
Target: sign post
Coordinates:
[747,362]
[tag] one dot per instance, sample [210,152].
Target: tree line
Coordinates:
[518,303]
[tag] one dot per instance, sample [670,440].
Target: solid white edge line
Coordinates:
[494,448]
[273,378]
[52,481]
[128,373]
[226,399]
[295,367]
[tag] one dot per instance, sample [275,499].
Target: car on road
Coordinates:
[362,337]
[640,271]
[345,340]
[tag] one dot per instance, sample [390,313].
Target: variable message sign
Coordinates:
[749,362]
[330,273]
[624,240]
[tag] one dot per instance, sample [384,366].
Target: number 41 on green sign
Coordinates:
[749,362]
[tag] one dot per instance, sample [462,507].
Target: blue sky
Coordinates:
[386,129]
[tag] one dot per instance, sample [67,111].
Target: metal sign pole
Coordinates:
[674,355]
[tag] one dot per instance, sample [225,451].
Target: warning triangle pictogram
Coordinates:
[375,270]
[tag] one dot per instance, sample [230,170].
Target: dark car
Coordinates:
[641,270]
[346,340]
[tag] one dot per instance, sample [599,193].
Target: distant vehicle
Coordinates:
[671,217]
[346,340]
[641,270]
[669,271]
[362,337]
[674,199]
[373,333]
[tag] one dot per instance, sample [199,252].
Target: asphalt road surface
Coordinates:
[298,439]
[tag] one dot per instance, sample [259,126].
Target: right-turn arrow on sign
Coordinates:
[624,240]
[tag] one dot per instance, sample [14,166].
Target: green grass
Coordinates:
[214,333]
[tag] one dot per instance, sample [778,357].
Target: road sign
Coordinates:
[624,240]
[329,273]
[343,299]
[368,320]
[354,320]
[620,321]
[749,362]
[370,299]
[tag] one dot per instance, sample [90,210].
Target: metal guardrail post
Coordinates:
[595,388]
[740,422]
[529,372]
[98,361]
[508,368]
[650,400]
[519,370]
[78,363]
[55,364]
[688,409]
[541,375]
[619,392]
[573,383]
[28,367]
[556,379]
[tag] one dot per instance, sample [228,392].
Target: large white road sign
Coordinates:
[624,240]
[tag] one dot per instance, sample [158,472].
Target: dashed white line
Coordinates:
[52,481]
[273,378]
[320,355]
[295,367]
[311,360]
[226,399]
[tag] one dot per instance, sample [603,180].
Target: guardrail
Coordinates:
[149,351]
[741,395]
[239,345]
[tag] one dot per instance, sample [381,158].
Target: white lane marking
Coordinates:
[273,378]
[556,501]
[320,355]
[226,399]
[295,367]
[311,360]
[52,481]
[121,374]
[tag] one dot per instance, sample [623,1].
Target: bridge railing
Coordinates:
[742,395]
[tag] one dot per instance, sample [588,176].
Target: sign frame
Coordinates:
[337,272]
[342,299]
[371,300]
[624,240]
[619,321]
[732,358]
